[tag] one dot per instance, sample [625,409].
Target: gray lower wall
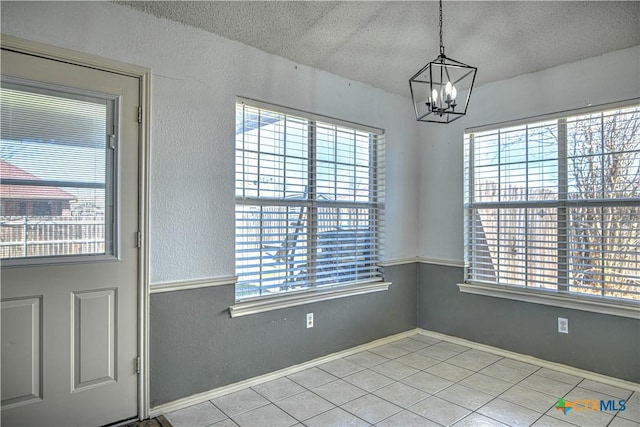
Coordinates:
[196,346]
[609,345]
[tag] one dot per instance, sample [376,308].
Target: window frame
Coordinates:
[312,205]
[111,185]
[560,297]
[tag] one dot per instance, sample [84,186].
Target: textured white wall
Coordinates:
[196,77]
[602,79]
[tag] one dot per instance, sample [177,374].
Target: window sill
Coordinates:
[573,302]
[307,297]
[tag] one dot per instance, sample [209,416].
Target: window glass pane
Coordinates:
[542,248]
[542,157]
[585,249]
[604,250]
[622,259]
[326,181]
[325,143]
[362,150]
[363,185]
[486,184]
[486,149]
[512,246]
[542,180]
[584,135]
[271,155]
[604,159]
[621,163]
[542,141]
[484,234]
[345,245]
[55,169]
[585,177]
[271,249]
[513,145]
[345,143]
[345,182]
[584,149]
[513,182]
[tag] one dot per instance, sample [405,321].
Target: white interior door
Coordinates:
[69,171]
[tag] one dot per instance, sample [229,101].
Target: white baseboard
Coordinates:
[221,391]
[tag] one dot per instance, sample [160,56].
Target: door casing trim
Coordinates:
[144,76]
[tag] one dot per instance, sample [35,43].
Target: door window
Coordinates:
[57,174]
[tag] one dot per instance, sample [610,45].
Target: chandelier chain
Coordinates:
[441,43]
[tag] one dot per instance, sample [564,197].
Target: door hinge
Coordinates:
[138,239]
[138,363]
[112,138]
[139,114]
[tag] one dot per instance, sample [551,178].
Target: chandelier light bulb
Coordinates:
[454,92]
[434,95]
[447,88]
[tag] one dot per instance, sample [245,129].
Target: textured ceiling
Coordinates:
[385,43]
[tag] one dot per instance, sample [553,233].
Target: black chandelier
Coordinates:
[441,89]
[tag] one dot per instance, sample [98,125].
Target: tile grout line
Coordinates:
[584,374]
[472,411]
[366,391]
[389,357]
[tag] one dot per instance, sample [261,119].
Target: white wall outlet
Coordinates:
[563,325]
[309,320]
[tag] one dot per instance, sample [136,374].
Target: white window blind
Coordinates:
[56,173]
[555,205]
[309,202]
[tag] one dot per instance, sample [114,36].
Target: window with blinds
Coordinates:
[554,205]
[309,202]
[56,173]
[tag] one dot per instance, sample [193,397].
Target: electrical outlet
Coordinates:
[309,320]
[563,325]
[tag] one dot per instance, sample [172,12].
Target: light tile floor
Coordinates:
[416,381]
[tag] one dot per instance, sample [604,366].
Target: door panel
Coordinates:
[69,329]
[21,356]
[95,337]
